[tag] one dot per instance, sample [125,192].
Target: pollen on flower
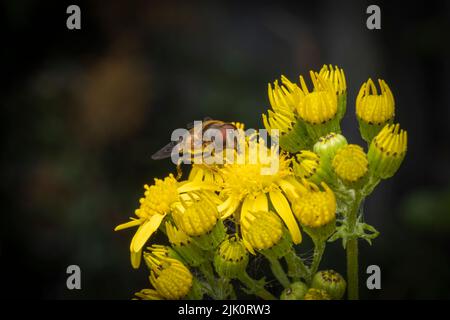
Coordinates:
[372,107]
[315,208]
[350,163]
[248,178]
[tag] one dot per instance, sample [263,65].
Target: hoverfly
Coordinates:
[195,134]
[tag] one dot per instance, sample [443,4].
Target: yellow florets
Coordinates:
[320,105]
[335,76]
[171,279]
[350,163]
[315,208]
[158,198]
[387,151]
[197,216]
[306,164]
[261,230]
[283,100]
[372,107]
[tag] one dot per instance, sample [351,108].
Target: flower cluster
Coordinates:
[223,215]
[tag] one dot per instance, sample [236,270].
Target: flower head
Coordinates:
[284,99]
[196,215]
[231,258]
[350,163]
[306,164]
[247,186]
[261,229]
[372,107]
[171,279]
[330,281]
[159,200]
[315,208]
[387,151]
[319,105]
[374,110]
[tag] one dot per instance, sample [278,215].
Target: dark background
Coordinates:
[83,110]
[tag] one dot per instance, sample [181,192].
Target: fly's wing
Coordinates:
[165,152]
[191,124]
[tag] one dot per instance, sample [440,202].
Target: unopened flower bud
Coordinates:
[296,291]
[231,258]
[316,294]
[387,151]
[330,281]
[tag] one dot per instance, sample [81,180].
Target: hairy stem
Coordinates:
[352,251]
[296,267]
[319,248]
[278,271]
[255,287]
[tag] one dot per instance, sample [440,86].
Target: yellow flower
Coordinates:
[306,164]
[261,230]
[319,105]
[159,200]
[315,208]
[246,184]
[372,107]
[387,151]
[374,110]
[171,279]
[197,216]
[231,258]
[284,99]
[350,163]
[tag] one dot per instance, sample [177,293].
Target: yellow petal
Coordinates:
[231,209]
[224,205]
[283,208]
[128,224]
[136,259]
[194,186]
[146,230]
[261,203]
[247,206]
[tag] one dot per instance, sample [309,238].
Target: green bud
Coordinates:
[296,291]
[328,145]
[330,281]
[231,258]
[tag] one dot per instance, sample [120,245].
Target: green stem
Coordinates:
[255,287]
[296,267]
[319,248]
[352,251]
[278,271]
